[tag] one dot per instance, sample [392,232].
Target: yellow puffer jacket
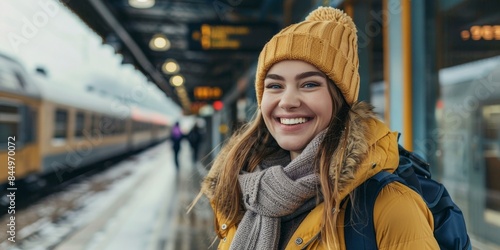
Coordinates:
[401,217]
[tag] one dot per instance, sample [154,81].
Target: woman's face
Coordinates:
[296,104]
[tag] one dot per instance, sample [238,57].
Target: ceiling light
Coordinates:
[177,80]
[141,4]
[159,43]
[170,66]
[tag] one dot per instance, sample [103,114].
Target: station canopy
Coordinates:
[193,50]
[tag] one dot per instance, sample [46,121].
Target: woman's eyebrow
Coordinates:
[275,77]
[309,74]
[298,77]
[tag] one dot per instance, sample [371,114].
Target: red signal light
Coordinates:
[218,105]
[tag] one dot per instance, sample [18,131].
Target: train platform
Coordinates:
[145,207]
[150,212]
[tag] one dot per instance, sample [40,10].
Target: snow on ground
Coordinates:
[136,223]
[126,214]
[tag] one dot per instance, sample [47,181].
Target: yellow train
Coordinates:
[49,131]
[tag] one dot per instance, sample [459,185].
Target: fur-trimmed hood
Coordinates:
[371,148]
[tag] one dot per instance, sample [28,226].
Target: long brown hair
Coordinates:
[337,129]
[253,142]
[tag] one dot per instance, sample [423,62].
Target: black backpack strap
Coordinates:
[359,229]
[406,170]
[420,165]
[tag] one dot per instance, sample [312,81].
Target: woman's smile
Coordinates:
[293,121]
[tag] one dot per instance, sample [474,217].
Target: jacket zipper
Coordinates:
[311,240]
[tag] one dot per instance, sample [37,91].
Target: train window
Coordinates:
[103,124]
[113,126]
[80,124]
[61,124]
[107,125]
[94,126]
[8,110]
[120,126]
[140,126]
[9,122]
[29,126]
[134,126]
[7,129]
[116,126]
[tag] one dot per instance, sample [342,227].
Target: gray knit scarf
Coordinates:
[273,192]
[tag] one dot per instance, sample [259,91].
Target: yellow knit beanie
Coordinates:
[326,39]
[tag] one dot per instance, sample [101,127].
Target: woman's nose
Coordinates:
[290,99]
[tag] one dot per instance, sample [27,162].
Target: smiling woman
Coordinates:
[281,181]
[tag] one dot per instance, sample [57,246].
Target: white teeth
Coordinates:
[292,121]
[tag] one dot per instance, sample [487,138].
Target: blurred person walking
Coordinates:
[176,137]
[195,138]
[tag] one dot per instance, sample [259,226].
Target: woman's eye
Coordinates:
[273,86]
[310,85]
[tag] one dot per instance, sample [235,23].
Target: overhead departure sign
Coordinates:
[246,37]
